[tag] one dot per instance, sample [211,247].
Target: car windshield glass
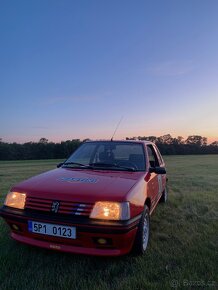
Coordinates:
[113,155]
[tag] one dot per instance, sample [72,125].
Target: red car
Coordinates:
[97,202]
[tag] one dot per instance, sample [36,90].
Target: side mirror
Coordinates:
[157,170]
[60,164]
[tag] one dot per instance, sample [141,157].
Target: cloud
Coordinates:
[171,68]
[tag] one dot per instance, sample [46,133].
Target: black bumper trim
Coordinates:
[83,224]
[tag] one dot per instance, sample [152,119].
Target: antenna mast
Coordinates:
[116,128]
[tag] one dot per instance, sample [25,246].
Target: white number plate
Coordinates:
[52,230]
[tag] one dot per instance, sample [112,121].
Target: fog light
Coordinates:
[15,227]
[102,241]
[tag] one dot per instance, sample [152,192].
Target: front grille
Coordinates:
[65,207]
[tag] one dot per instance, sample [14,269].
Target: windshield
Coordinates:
[109,154]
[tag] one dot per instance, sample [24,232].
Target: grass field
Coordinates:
[182,252]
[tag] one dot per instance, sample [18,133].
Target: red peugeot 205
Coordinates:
[97,202]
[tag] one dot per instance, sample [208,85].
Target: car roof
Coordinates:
[122,141]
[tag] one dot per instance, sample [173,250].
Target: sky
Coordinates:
[72,69]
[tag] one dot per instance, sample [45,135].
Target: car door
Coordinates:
[155,185]
[161,164]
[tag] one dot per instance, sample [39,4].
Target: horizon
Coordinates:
[74,68]
[209,141]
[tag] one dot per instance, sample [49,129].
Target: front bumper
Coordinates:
[119,234]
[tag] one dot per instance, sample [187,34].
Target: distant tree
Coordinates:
[178,140]
[43,140]
[166,139]
[152,139]
[196,140]
[148,138]
[215,143]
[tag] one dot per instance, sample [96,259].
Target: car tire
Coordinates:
[164,196]
[143,233]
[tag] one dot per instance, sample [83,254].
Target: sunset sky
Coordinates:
[72,69]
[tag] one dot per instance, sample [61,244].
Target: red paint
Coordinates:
[147,176]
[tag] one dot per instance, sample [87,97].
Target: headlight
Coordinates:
[15,199]
[108,210]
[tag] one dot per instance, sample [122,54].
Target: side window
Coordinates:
[159,156]
[153,160]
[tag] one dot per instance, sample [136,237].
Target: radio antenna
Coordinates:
[117,128]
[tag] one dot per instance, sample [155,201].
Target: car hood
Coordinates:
[80,184]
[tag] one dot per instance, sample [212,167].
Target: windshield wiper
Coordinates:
[109,165]
[80,165]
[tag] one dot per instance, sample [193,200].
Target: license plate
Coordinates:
[52,230]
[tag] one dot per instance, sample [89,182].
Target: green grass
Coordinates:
[182,250]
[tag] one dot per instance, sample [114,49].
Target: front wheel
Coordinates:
[143,233]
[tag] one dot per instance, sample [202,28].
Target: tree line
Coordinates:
[169,145]
[38,150]
[43,149]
